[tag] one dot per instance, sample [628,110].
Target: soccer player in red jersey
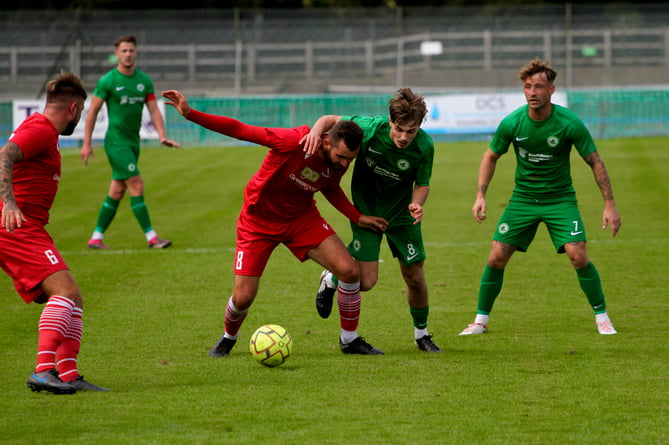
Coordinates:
[29,176]
[279,207]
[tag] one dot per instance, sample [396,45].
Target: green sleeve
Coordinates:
[369,125]
[582,139]
[424,172]
[503,137]
[102,88]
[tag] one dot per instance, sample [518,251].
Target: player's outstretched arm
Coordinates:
[177,100]
[312,140]
[223,124]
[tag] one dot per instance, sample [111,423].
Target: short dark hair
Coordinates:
[407,106]
[66,87]
[125,39]
[349,131]
[537,66]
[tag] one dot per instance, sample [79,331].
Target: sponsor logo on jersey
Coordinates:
[309,174]
[382,171]
[534,157]
[302,183]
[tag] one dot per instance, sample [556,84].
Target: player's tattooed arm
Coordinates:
[11,214]
[610,216]
[601,175]
[9,155]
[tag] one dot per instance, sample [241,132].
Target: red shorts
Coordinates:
[28,256]
[257,238]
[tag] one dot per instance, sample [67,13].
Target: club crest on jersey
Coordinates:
[140,87]
[403,164]
[309,174]
[553,141]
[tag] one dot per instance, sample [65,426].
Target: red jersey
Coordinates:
[284,186]
[36,178]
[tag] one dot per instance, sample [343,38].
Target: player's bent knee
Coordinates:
[366,285]
[348,274]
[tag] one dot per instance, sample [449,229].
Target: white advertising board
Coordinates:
[473,113]
[23,108]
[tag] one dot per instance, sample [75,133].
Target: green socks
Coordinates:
[141,212]
[420,316]
[106,214]
[489,288]
[588,278]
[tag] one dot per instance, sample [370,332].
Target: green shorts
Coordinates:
[123,160]
[405,242]
[519,222]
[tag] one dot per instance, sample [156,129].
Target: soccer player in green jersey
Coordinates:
[542,135]
[125,89]
[391,180]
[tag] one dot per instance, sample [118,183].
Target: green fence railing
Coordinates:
[607,113]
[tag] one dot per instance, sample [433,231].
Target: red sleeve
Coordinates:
[32,139]
[286,138]
[340,201]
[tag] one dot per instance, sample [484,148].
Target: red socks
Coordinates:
[233,319]
[53,325]
[348,300]
[66,355]
[60,329]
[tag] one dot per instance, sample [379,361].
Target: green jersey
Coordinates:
[543,170]
[384,175]
[125,97]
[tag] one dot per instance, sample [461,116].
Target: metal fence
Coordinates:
[317,51]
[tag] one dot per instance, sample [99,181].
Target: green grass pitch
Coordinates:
[542,375]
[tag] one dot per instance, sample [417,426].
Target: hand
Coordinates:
[12,216]
[373,223]
[416,211]
[311,142]
[479,209]
[86,152]
[169,143]
[178,101]
[611,217]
